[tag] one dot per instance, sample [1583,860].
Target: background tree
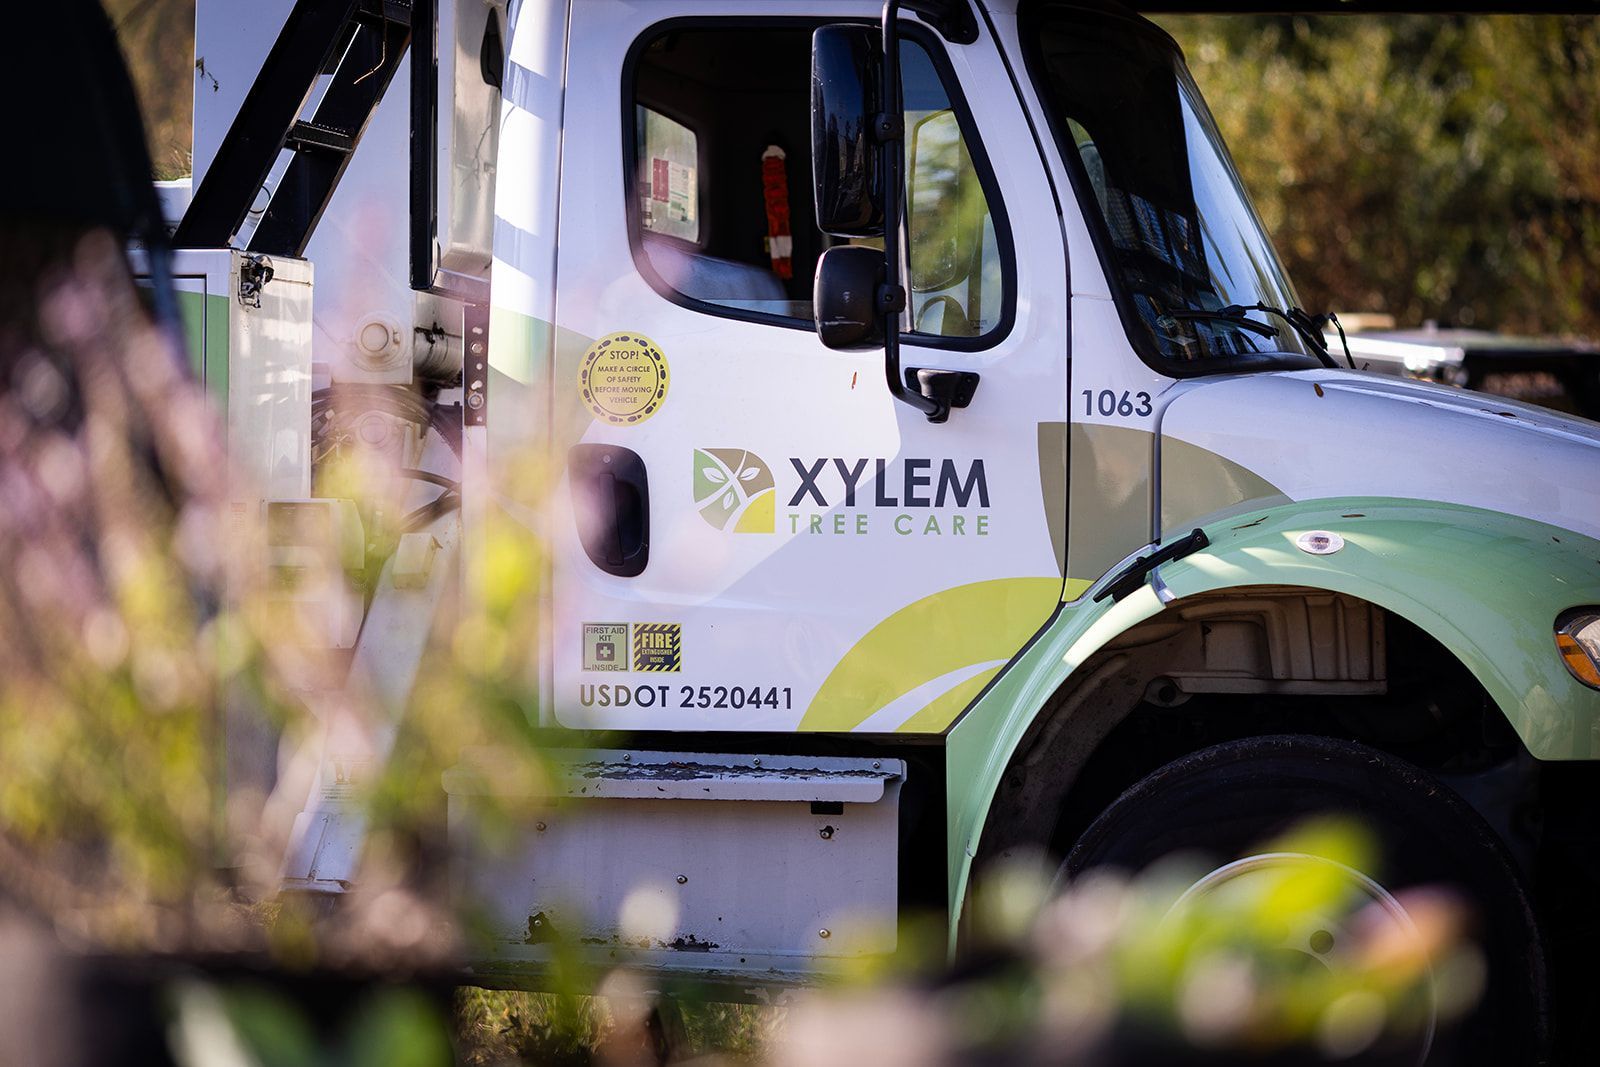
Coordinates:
[1431,167]
[1427,166]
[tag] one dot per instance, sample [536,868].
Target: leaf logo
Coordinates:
[732,485]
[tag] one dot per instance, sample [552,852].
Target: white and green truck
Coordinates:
[944,468]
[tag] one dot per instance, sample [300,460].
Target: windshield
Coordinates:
[1177,230]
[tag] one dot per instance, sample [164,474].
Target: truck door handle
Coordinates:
[611,498]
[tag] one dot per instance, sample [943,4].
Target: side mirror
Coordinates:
[846,99]
[845,297]
[857,171]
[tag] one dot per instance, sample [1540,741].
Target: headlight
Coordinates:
[1578,639]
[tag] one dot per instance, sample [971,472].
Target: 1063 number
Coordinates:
[1107,403]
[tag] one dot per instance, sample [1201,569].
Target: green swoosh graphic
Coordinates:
[951,629]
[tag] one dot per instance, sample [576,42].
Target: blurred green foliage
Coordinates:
[1288,956]
[259,1026]
[1445,168]
[511,1027]
[113,659]
[1426,166]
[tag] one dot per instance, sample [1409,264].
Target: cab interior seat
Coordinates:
[706,277]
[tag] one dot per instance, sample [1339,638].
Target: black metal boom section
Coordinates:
[360,44]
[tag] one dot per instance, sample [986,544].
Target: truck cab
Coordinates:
[937,462]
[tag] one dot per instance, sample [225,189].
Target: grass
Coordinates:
[495,1027]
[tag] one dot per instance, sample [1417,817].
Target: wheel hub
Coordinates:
[1325,936]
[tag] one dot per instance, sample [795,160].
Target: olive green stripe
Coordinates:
[1109,515]
[1198,485]
[1111,493]
[1052,444]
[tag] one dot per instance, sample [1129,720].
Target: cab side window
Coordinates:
[954,257]
[720,163]
[722,216]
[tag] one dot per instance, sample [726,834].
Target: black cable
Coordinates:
[431,478]
[441,505]
[446,422]
[397,401]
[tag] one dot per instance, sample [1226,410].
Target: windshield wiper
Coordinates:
[1343,340]
[1308,326]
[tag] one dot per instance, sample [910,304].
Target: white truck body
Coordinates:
[820,559]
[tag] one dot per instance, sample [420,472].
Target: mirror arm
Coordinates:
[890,129]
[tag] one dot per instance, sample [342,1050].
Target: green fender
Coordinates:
[1486,585]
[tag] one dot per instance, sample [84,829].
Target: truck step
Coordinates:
[758,869]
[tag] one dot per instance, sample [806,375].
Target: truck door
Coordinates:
[748,532]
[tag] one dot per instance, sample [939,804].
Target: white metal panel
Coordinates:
[357,723]
[468,137]
[265,361]
[522,290]
[269,380]
[1329,433]
[361,243]
[747,887]
[782,609]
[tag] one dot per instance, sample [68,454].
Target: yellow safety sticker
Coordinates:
[623,378]
[658,646]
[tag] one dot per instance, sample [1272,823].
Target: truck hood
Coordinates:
[1229,444]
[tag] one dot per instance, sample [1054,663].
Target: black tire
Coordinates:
[1226,800]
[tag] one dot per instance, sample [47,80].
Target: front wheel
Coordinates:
[1228,802]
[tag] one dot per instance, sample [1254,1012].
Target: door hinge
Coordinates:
[475,364]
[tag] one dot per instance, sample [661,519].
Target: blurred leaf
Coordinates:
[271,1026]
[397,1028]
